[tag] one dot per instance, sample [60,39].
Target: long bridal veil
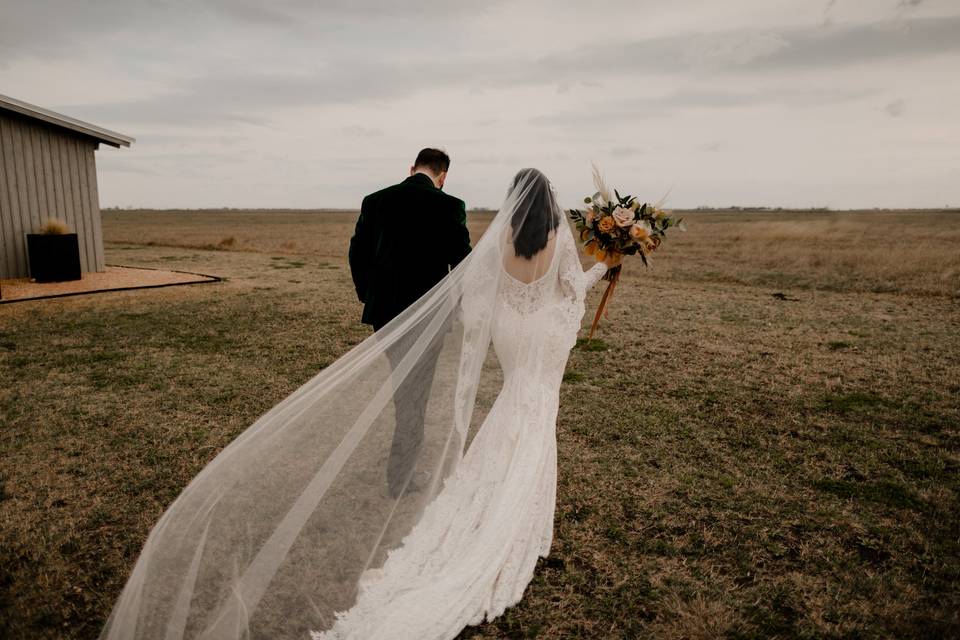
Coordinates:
[271,538]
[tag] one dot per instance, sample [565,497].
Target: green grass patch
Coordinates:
[284,263]
[885,492]
[593,344]
[853,402]
[838,345]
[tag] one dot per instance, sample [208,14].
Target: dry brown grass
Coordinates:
[731,464]
[868,251]
[54,227]
[320,232]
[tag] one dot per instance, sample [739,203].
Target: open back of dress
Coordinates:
[528,270]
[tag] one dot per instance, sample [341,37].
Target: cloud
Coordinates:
[856,44]
[61,28]
[253,13]
[181,110]
[748,50]
[660,89]
[895,109]
[234,97]
[625,152]
[712,147]
[732,50]
[248,96]
[603,113]
[358,131]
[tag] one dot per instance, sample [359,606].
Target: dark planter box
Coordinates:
[53,257]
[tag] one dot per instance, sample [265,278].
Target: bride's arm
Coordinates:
[592,275]
[574,281]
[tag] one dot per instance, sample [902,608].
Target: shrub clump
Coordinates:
[54,227]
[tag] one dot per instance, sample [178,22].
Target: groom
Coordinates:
[407,239]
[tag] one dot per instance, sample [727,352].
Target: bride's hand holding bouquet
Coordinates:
[613,226]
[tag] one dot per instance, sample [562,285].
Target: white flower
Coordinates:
[623,217]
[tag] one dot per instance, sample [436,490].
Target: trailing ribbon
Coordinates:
[612,276]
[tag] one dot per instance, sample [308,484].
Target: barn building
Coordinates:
[47,170]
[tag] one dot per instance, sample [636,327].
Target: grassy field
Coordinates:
[733,463]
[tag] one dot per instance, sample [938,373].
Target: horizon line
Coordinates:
[704,208]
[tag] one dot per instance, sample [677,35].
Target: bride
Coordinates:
[291,529]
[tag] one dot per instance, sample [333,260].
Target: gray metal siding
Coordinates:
[46,174]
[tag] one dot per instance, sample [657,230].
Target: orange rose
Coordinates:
[606,224]
[640,232]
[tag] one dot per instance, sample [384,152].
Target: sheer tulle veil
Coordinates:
[271,538]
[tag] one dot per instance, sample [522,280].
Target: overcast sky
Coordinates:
[296,103]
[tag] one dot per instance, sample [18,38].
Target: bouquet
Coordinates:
[619,225]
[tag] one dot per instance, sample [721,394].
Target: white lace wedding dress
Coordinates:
[475,549]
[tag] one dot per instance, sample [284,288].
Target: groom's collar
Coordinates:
[421,178]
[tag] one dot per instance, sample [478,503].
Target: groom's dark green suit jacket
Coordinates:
[407,239]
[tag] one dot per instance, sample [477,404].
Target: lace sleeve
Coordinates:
[574,281]
[592,275]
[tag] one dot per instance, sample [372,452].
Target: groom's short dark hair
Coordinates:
[434,159]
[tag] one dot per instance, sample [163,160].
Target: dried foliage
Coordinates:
[54,227]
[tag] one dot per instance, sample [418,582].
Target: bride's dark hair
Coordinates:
[535,215]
